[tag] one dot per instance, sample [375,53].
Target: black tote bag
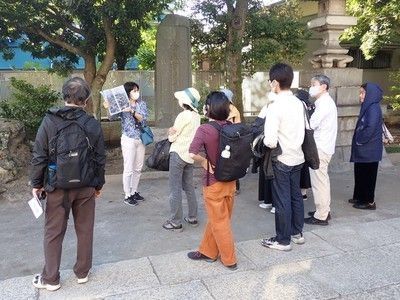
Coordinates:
[309,147]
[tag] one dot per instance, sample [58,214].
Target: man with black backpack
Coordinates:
[68,167]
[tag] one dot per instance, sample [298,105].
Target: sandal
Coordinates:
[172,227]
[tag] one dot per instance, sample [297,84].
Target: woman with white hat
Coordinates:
[180,163]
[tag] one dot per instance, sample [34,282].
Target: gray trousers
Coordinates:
[181,178]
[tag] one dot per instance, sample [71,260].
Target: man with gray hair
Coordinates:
[68,167]
[324,123]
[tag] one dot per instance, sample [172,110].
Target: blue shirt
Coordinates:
[128,123]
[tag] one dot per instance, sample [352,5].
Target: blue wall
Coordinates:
[22,57]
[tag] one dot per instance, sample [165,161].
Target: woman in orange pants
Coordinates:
[218,196]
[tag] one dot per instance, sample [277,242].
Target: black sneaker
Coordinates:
[130,201]
[137,197]
[196,255]
[314,221]
[311,214]
[371,206]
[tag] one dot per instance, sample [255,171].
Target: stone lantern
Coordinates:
[331,22]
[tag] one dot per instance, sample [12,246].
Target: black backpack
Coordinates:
[238,137]
[159,158]
[71,154]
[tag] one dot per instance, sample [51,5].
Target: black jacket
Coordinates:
[47,130]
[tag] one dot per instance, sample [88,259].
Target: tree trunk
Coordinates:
[97,79]
[236,27]
[89,73]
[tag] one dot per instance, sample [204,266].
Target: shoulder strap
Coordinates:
[215,125]
[218,127]
[306,116]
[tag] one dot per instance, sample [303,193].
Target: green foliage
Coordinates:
[377,24]
[392,148]
[273,33]
[147,50]
[65,30]
[394,98]
[28,104]
[28,65]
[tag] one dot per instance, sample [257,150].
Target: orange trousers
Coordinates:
[218,238]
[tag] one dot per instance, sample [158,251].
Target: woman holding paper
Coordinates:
[132,147]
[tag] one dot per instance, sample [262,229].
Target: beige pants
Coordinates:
[133,155]
[321,186]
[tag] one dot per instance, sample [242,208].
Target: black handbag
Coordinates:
[309,147]
[159,158]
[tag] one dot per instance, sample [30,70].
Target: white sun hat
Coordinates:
[189,96]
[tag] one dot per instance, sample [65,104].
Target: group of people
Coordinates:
[282,121]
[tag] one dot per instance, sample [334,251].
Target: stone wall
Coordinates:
[14,150]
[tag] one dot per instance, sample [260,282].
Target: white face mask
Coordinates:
[135,95]
[314,90]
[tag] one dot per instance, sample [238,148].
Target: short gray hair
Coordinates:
[76,91]
[322,79]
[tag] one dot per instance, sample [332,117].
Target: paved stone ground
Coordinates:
[356,257]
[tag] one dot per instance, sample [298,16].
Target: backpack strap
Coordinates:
[217,127]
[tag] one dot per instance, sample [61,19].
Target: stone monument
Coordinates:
[331,22]
[173,67]
[331,60]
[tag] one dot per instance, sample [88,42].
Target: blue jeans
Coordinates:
[289,206]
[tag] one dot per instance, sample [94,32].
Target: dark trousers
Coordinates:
[305,182]
[365,181]
[264,188]
[288,201]
[82,202]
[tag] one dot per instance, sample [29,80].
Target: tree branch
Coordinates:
[58,41]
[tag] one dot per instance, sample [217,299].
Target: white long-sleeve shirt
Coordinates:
[284,123]
[324,122]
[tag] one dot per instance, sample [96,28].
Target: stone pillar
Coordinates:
[331,22]
[173,67]
[331,60]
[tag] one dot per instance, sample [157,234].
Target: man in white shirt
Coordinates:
[284,124]
[324,123]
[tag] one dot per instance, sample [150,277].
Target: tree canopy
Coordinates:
[65,30]
[378,24]
[245,36]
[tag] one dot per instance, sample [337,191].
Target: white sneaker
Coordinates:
[83,280]
[38,283]
[298,239]
[273,244]
[273,210]
[265,205]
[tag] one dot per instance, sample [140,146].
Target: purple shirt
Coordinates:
[207,137]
